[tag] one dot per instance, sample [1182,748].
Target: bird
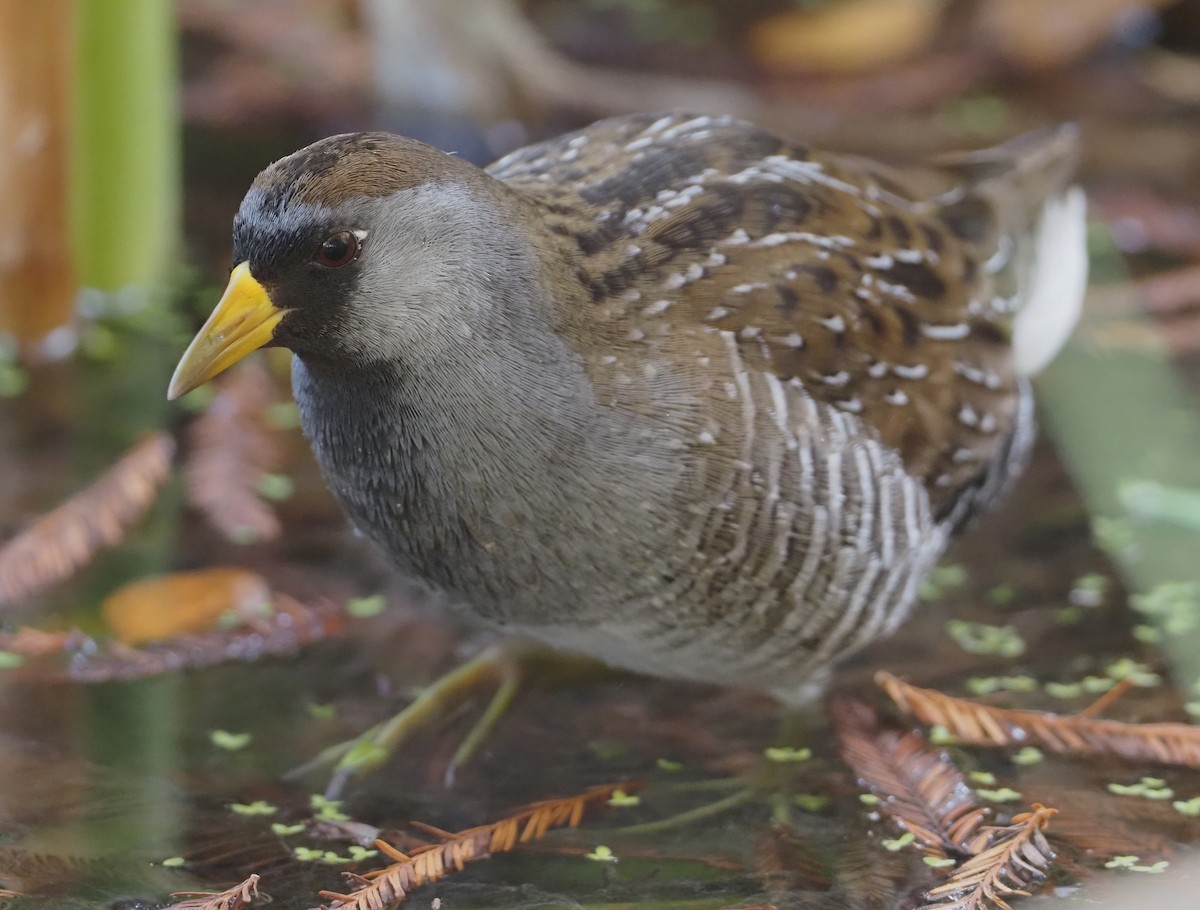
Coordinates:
[667,391]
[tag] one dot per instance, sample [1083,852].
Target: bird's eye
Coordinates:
[338,250]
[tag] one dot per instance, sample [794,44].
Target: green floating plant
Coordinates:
[939,862]
[988,685]
[1001,795]
[1137,673]
[811,802]
[602,854]
[258,807]
[1064,690]
[1174,606]
[941,579]
[1189,807]
[785,754]
[621,799]
[1133,864]
[1147,788]
[366,607]
[896,844]
[326,809]
[981,638]
[231,742]
[317,855]
[940,736]
[276,487]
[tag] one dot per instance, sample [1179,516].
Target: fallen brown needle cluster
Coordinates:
[234,898]
[916,784]
[984,725]
[1018,857]
[387,887]
[61,542]
[925,794]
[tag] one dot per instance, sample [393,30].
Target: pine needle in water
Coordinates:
[388,887]
[241,895]
[61,542]
[984,725]
[917,785]
[1017,859]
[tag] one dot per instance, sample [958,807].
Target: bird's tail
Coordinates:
[1037,245]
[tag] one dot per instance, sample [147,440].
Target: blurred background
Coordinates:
[129,130]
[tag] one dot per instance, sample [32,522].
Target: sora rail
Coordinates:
[667,391]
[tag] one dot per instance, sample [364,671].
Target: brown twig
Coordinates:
[30,642]
[292,625]
[61,542]
[984,725]
[1018,857]
[231,450]
[385,888]
[1109,698]
[918,786]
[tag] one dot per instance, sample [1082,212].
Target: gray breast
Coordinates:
[796,538]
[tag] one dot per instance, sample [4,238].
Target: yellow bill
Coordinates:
[244,321]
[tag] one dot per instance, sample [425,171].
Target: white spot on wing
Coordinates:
[954,332]
[910,371]
[835,324]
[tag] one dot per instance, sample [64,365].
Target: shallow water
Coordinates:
[100,783]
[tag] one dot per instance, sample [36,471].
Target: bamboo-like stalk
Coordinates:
[125,161]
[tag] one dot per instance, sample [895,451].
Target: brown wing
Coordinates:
[878,300]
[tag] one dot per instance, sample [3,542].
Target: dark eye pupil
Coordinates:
[338,249]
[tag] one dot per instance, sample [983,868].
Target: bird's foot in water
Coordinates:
[504,666]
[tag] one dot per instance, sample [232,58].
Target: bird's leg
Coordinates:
[511,677]
[498,665]
[505,666]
